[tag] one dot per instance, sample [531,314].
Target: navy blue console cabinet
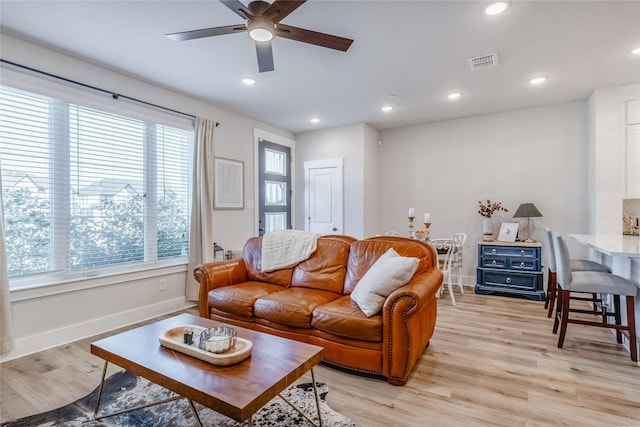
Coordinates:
[510,269]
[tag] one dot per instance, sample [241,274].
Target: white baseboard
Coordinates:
[467,281]
[53,338]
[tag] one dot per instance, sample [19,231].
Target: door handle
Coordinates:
[335,229]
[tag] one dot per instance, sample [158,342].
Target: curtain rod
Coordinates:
[114,95]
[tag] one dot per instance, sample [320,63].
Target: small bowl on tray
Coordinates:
[218,339]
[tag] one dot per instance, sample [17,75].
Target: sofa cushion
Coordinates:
[326,268]
[239,299]
[387,274]
[252,256]
[364,253]
[344,318]
[292,307]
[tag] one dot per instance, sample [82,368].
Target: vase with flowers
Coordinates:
[486,211]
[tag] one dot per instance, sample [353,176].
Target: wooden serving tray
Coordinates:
[174,339]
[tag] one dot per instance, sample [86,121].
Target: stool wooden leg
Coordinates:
[563,298]
[551,293]
[618,317]
[546,303]
[631,322]
[556,320]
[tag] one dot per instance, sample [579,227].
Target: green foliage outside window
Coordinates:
[112,234]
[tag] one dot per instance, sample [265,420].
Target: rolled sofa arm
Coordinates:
[217,274]
[408,319]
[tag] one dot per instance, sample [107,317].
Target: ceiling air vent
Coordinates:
[483,61]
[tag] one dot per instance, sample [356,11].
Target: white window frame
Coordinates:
[52,283]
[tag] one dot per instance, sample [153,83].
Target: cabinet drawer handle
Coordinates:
[522,252]
[508,280]
[522,264]
[493,262]
[493,251]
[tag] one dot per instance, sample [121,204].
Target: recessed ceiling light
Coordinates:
[387,108]
[454,95]
[636,51]
[315,120]
[496,8]
[249,81]
[538,80]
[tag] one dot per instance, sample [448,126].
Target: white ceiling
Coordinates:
[415,50]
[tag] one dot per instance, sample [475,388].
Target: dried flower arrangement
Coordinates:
[490,208]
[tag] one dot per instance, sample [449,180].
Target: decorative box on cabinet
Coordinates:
[511,269]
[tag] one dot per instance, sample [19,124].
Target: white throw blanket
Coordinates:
[286,248]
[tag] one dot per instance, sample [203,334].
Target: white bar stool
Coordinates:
[593,282]
[576,265]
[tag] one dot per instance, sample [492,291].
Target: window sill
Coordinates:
[51,286]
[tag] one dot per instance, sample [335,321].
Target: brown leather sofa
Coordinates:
[310,302]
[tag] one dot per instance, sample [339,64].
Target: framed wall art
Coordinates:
[228,184]
[508,232]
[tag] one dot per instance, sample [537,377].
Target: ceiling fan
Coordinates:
[263,24]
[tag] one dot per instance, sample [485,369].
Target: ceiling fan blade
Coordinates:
[207,32]
[279,9]
[265,57]
[238,8]
[313,37]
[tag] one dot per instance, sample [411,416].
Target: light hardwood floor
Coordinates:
[493,361]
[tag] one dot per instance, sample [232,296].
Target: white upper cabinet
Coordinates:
[633,149]
[633,112]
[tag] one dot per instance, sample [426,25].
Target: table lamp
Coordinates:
[527,210]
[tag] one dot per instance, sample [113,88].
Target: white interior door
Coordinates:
[323,196]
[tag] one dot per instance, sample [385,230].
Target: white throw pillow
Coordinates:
[387,274]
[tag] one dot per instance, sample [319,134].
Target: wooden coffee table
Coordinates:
[237,391]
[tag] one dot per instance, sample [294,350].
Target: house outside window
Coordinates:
[87,191]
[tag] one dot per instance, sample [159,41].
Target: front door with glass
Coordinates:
[274,178]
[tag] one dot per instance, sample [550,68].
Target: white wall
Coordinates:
[345,142]
[44,321]
[534,155]
[371,182]
[606,154]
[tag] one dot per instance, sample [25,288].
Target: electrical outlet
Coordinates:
[162,285]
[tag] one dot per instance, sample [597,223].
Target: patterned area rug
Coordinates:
[123,390]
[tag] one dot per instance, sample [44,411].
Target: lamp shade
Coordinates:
[527,210]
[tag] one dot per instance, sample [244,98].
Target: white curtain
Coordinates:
[6,320]
[201,232]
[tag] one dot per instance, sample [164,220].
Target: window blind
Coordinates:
[87,190]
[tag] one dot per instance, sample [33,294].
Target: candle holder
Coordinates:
[427,226]
[411,218]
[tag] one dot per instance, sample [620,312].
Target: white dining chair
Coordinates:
[445,248]
[456,261]
[392,233]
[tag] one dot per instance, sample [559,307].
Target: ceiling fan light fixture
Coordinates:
[260,30]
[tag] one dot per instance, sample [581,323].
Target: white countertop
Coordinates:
[611,244]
